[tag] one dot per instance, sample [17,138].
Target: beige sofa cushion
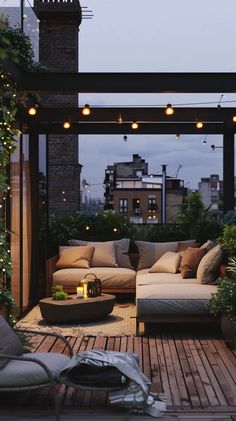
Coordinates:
[104,252]
[121,250]
[190,260]
[209,266]
[183,245]
[149,252]
[208,245]
[75,257]
[110,277]
[146,278]
[169,262]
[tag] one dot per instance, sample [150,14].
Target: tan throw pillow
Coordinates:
[209,266]
[149,252]
[190,261]
[169,263]
[104,252]
[208,245]
[75,257]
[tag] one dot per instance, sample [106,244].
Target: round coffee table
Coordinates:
[76,309]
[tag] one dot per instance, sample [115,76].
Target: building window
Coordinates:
[136,207]
[152,205]
[123,205]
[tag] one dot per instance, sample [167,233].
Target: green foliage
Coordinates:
[104,226]
[229,218]
[159,232]
[59,294]
[16,46]
[228,240]
[192,214]
[224,300]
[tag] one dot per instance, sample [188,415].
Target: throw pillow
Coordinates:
[9,343]
[149,252]
[169,263]
[190,261]
[208,245]
[75,257]
[104,252]
[209,266]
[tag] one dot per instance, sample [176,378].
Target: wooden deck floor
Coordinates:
[195,371]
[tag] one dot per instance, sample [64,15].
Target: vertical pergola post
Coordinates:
[163,195]
[228,171]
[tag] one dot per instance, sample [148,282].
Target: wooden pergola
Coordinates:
[153,120]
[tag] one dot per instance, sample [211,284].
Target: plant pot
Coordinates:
[228,327]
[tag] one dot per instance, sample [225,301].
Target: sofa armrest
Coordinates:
[50,269]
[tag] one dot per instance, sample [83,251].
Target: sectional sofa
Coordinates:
[172,280]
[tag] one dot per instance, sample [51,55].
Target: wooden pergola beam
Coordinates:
[125,128]
[128,82]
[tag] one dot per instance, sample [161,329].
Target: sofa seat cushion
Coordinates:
[110,277]
[146,278]
[189,299]
[22,373]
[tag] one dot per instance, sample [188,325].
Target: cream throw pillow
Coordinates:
[149,252]
[75,257]
[104,252]
[209,266]
[169,263]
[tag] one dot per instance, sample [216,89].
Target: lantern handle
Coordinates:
[90,274]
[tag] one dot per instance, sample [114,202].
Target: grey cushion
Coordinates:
[189,299]
[144,277]
[9,341]
[22,373]
[208,268]
[150,252]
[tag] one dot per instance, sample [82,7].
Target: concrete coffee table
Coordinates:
[76,309]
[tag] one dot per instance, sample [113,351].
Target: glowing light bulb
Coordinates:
[86,110]
[169,109]
[66,124]
[134,125]
[199,125]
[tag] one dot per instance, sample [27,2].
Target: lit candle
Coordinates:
[85,290]
[79,292]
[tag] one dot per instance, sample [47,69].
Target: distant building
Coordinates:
[211,190]
[132,192]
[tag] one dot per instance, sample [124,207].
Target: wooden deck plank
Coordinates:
[227,356]
[154,367]
[182,373]
[225,381]
[177,401]
[211,374]
[163,370]
[146,358]
[213,401]
[195,373]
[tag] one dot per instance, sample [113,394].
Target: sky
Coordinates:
[155,36]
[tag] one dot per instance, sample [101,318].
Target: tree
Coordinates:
[192,213]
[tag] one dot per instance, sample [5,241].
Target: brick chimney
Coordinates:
[58,50]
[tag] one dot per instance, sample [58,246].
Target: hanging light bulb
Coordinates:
[32,110]
[199,124]
[204,142]
[119,119]
[177,136]
[169,109]
[86,110]
[66,124]
[134,125]
[125,138]
[234,118]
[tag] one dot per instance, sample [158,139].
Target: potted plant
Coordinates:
[223,302]
[59,294]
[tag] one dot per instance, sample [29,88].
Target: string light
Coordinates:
[66,124]
[119,119]
[234,118]
[32,110]
[87,227]
[134,125]
[169,110]
[199,124]
[86,110]
[177,136]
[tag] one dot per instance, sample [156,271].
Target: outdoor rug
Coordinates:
[120,322]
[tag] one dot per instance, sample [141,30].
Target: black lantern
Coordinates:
[94,287]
